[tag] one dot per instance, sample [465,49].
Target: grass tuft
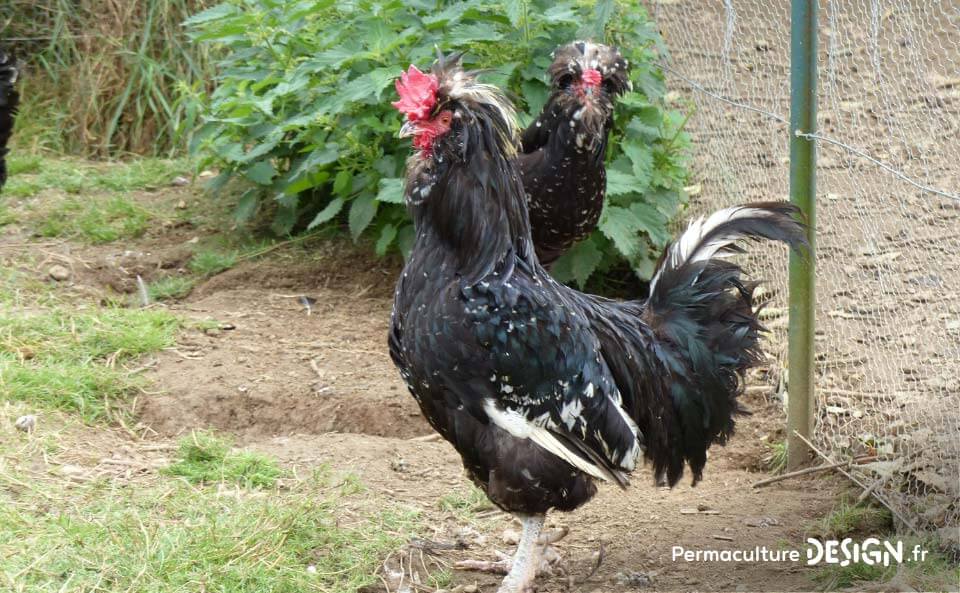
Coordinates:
[848,519]
[777,459]
[205,458]
[176,537]
[170,288]
[464,503]
[30,175]
[73,360]
[210,262]
[96,221]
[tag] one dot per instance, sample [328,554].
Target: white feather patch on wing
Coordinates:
[518,425]
[629,459]
[690,241]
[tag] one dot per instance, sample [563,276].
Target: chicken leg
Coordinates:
[524,569]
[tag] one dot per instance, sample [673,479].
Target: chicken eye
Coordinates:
[445,118]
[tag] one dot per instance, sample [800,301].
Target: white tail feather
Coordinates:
[689,247]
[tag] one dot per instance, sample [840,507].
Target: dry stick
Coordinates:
[799,472]
[876,495]
[596,566]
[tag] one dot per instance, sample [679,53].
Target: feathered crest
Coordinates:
[418,93]
[594,63]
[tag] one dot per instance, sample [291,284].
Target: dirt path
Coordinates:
[318,389]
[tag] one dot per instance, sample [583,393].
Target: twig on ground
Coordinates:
[812,470]
[596,566]
[427,438]
[853,479]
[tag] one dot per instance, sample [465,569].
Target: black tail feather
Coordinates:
[703,311]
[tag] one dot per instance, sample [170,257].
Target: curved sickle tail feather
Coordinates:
[703,314]
[9,98]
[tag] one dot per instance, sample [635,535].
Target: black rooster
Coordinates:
[543,389]
[8,107]
[563,150]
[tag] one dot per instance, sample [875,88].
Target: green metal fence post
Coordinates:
[803,168]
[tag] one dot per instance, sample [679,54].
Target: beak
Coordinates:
[409,128]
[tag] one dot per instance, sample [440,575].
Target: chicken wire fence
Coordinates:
[888,177]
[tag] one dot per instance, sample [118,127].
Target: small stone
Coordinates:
[312,569]
[26,423]
[179,181]
[181,205]
[59,273]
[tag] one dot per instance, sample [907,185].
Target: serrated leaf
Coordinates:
[286,216]
[619,183]
[515,10]
[622,227]
[641,161]
[652,222]
[584,258]
[262,173]
[391,190]
[327,214]
[214,13]
[466,33]
[387,234]
[362,210]
[247,206]
[601,14]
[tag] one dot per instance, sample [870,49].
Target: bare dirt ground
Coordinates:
[319,389]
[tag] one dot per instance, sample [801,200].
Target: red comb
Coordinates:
[591,77]
[418,93]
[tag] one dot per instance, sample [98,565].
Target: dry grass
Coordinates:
[105,77]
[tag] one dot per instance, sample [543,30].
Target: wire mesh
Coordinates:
[888,316]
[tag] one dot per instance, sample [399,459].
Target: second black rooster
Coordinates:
[563,150]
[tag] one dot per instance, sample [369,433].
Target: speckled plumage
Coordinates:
[543,389]
[563,150]
[8,107]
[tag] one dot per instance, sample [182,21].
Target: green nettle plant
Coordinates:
[302,110]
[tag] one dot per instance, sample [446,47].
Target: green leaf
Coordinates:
[619,183]
[214,13]
[286,216]
[247,206]
[622,227]
[362,211]
[601,14]
[342,183]
[391,190]
[262,173]
[579,263]
[387,234]
[515,11]
[652,222]
[641,159]
[327,214]
[475,32]
[405,238]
